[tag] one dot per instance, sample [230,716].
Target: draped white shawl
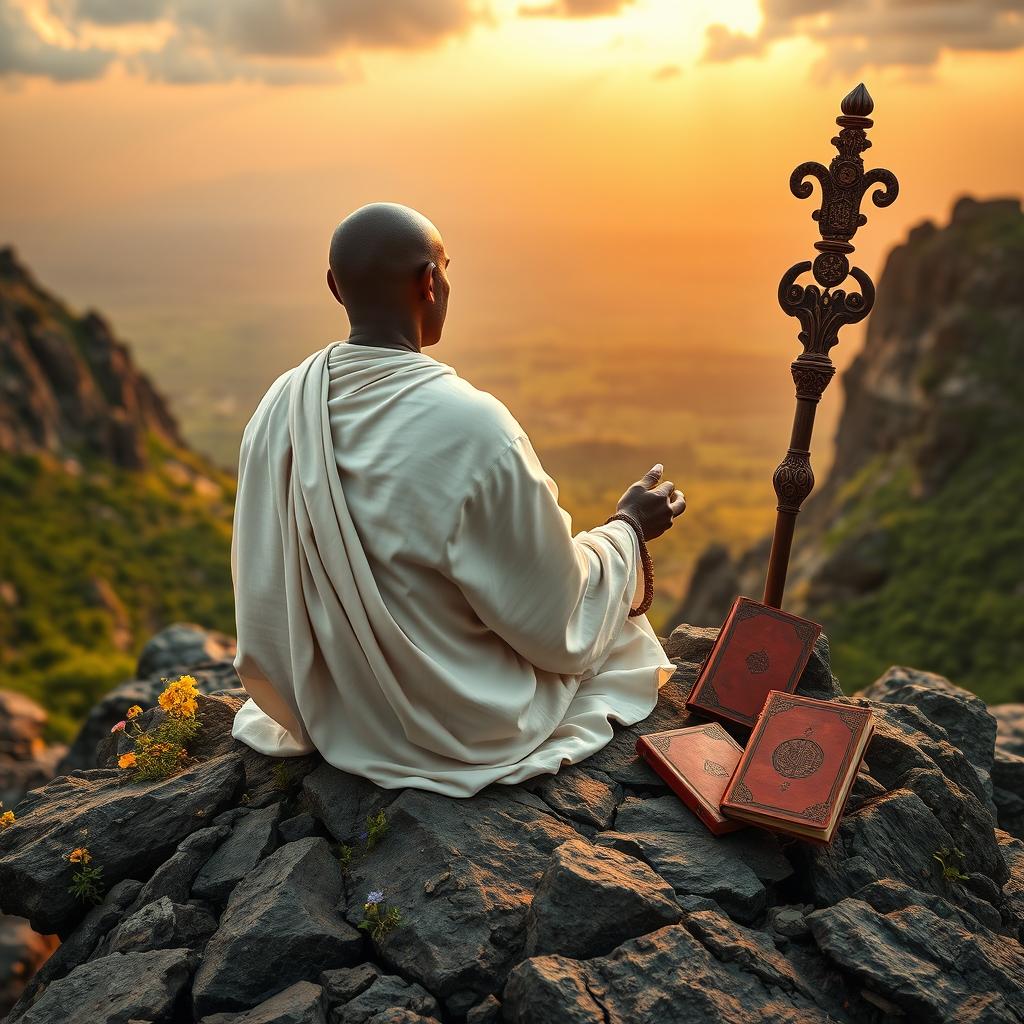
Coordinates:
[410,600]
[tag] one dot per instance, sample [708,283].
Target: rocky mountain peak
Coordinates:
[943,333]
[68,387]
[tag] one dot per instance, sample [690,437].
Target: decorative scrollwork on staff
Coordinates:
[823,309]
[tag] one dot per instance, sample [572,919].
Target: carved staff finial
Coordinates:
[823,312]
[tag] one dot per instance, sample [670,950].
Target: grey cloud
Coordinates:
[909,33]
[275,41]
[23,52]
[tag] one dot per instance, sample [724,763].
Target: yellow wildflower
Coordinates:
[80,855]
[133,712]
[179,698]
[7,818]
[126,760]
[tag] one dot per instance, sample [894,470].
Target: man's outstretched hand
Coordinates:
[654,505]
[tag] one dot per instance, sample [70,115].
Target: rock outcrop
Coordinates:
[236,890]
[70,400]
[911,547]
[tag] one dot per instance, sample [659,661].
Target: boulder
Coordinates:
[253,836]
[26,760]
[1009,727]
[180,647]
[344,983]
[301,1003]
[465,868]
[78,947]
[280,926]
[116,989]
[964,717]
[385,992]
[590,899]
[129,828]
[734,869]
[22,951]
[112,708]
[926,959]
[162,925]
[666,975]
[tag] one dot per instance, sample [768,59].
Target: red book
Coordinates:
[799,766]
[697,762]
[758,649]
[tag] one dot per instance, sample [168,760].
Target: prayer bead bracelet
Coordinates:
[645,561]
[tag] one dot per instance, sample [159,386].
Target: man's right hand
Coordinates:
[654,505]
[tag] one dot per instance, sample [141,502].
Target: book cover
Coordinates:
[758,649]
[799,766]
[697,763]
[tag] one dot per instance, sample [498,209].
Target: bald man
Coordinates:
[410,599]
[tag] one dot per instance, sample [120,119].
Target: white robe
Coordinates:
[410,600]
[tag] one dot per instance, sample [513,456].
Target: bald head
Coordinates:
[388,262]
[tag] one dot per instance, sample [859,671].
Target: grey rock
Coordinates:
[344,983]
[129,827]
[579,794]
[396,1015]
[180,646]
[789,921]
[924,961]
[465,868]
[343,801]
[301,1003]
[1012,850]
[757,953]
[252,838]
[1008,791]
[116,989]
[487,1011]
[590,899]
[114,705]
[79,945]
[162,925]
[386,992]
[1009,727]
[667,975]
[731,869]
[963,716]
[280,926]
[174,877]
[299,826]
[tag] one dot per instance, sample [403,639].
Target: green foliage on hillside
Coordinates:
[953,600]
[95,560]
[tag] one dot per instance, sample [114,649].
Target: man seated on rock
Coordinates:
[410,599]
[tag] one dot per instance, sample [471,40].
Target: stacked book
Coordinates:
[802,757]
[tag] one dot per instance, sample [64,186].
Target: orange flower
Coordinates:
[80,855]
[126,760]
[133,712]
[7,818]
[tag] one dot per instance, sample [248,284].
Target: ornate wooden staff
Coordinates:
[822,313]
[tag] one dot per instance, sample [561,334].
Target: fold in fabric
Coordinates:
[410,600]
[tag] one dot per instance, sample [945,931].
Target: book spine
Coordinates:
[683,792]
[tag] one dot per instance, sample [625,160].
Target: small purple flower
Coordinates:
[363,836]
[374,897]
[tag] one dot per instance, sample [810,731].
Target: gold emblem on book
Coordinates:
[714,768]
[758,662]
[797,758]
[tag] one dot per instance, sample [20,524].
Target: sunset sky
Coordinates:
[605,173]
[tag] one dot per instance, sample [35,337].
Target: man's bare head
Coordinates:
[388,268]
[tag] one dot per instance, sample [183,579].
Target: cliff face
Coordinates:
[67,385]
[112,527]
[911,549]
